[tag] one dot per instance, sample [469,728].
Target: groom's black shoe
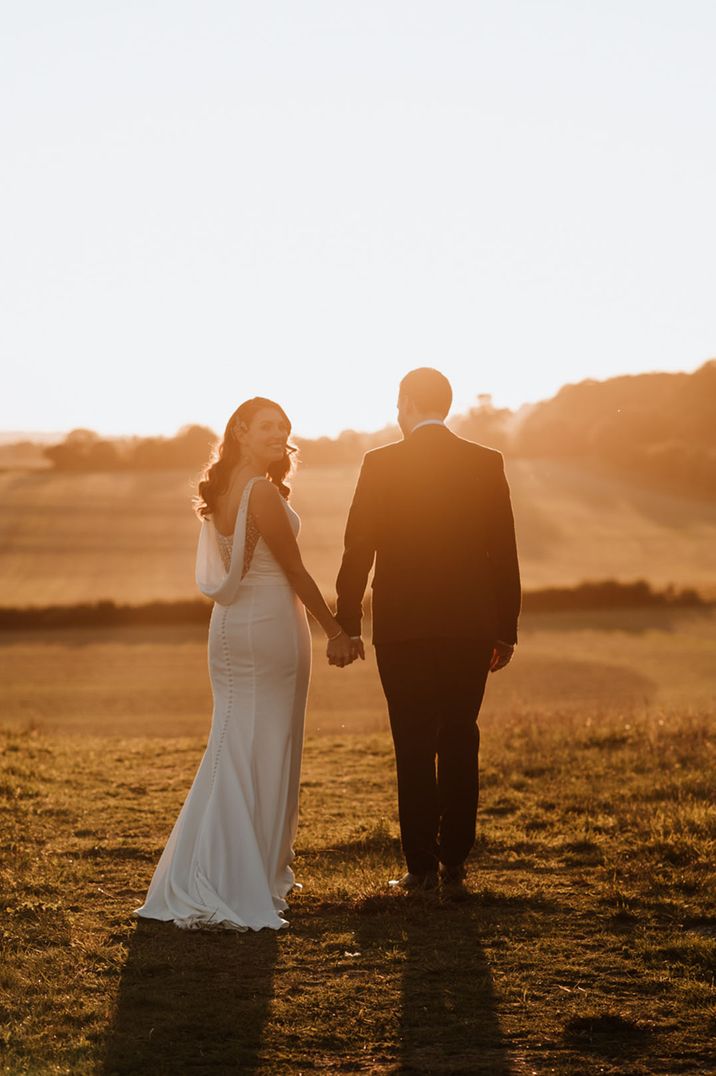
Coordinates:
[453,881]
[411,881]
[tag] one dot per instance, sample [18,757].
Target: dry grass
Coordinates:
[587,944]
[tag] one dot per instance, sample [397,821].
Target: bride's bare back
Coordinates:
[227,505]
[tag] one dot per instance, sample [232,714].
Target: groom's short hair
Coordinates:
[429,390]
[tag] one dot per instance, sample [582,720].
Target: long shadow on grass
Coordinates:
[448,1018]
[191,1001]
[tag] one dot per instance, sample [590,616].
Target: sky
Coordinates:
[203,202]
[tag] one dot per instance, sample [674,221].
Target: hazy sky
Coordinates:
[202,202]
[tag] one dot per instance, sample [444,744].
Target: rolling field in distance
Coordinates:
[139,681]
[131,536]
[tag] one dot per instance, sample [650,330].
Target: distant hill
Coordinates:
[654,430]
[659,429]
[130,536]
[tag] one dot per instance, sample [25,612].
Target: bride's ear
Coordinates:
[238,430]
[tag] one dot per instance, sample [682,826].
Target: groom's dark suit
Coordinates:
[434,511]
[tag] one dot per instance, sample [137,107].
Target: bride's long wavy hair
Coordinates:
[215,477]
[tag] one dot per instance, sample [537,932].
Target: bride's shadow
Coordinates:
[191,1001]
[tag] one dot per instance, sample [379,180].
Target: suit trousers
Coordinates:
[434,689]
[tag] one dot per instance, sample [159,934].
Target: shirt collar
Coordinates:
[428,422]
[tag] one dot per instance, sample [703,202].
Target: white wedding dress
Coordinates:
[227,862]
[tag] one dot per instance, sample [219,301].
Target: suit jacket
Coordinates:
[434,512]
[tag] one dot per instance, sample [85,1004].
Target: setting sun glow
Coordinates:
[305,201]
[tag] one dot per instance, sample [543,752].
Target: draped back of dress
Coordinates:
[223,563]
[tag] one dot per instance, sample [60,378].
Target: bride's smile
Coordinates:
[264,440]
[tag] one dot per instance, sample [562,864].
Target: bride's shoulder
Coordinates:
[264,496]
[263,490]
[268,507]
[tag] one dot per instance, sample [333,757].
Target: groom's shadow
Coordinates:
[448,1019]
[191,1001]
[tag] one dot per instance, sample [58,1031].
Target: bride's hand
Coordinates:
[340,650]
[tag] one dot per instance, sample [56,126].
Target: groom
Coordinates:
[434,511]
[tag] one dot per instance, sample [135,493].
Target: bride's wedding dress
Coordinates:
[227,862]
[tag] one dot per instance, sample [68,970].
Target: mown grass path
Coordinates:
[587,944]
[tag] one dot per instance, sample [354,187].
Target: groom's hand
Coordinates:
[357,648]
[340,651]
[501,655]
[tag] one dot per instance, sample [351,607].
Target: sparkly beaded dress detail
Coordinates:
[227,861]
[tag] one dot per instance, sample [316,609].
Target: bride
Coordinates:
[227,861]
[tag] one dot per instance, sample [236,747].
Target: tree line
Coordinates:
[657,429]
[605,595]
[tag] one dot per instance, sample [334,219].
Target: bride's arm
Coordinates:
[272,521]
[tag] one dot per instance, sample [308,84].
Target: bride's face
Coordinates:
[265,440]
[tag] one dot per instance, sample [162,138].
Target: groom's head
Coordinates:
[424,393]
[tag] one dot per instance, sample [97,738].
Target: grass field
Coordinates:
[587,945]
[131,536]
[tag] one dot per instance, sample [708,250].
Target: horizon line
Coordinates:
[28,434]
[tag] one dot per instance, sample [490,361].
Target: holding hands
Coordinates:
[343,650]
